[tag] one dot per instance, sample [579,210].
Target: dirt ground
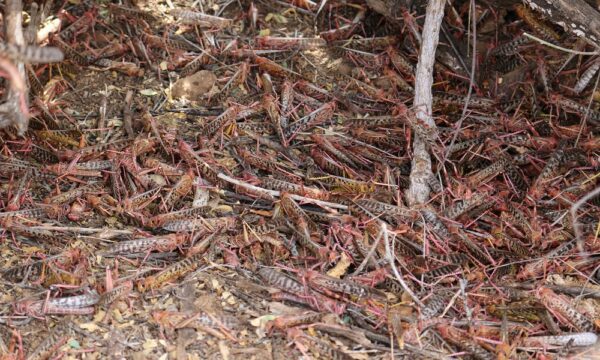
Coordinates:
[226,180]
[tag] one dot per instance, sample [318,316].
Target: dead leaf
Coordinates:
[340,268]
[148,92]
[262,321]
[224,350]
[91,327]
[149,345]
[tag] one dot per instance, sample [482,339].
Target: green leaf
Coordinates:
[74,344]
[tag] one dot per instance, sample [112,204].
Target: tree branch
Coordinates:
[276,193]
[575,16]
[418,191]
[14,110]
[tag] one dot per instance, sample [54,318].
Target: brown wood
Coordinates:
[575,16]
[421,163]
[11,111]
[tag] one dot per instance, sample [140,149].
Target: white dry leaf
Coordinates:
[261,321]
[340,268]
[170,100]
[224,349]
[278,18]
[100,314]
[116,314]
[107,233]
[148,92]
[261,324]
[91,327]
[201,197]
[228,297]
[158,179]
[215,284]
[282,309]
[149,345]
[114,123]
[222,207]
[126,324]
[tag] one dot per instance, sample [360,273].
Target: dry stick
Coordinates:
[587,111]
[81,230]
[549,44]
[128,114]
[451,303]
[574,209]
[418,192]
[370,254]
[278,193]
[102,110]
[463,286]
[471,81]
[389,253]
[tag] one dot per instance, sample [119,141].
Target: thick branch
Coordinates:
[14,110]
[575,16]
[418,191]
[14,22]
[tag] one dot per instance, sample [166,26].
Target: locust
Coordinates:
[201,19]
[559,305]
[171,273]
[156,243]
[299,218]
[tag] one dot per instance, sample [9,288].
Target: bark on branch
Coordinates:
[575,16]
[418,192]
[14,110]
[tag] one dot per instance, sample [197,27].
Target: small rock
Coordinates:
[194,87]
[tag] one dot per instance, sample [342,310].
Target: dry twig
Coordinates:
[418,191]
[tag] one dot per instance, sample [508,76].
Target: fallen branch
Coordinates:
[418,192]
[575,16]
[389,254]
[276,193]
[563,49]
